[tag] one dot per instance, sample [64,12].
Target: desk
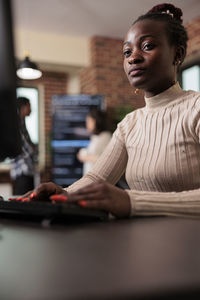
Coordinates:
[141,258]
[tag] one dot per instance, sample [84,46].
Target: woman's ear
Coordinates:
[179,55]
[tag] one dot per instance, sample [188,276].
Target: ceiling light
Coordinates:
[28,69]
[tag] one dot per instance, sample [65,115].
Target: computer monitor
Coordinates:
[10,141]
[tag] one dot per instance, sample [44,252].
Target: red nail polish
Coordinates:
[82,203]
[32,195]
[58,198]
[19,198]
[25,199]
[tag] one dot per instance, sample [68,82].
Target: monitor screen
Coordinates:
[10,142]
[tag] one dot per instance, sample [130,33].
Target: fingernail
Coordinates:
[32,195]
[82,203]
[58,198]
[25,199]
[19,198]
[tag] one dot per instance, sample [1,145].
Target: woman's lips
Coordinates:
[136,72]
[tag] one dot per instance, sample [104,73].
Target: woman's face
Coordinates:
[25,110]
[148,57]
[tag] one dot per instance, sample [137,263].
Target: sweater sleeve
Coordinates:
[110,165]
[186,203]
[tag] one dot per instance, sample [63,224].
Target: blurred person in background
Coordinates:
[96,125]
[22,166]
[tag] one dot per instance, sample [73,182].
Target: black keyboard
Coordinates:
[68,212]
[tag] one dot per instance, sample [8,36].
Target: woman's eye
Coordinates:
[148,46]
[127,53]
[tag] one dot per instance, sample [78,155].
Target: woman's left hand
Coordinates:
[104,196]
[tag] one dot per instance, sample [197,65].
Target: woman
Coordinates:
[100,137]
[157,146]
[23,166]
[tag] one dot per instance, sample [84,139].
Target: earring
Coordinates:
[178,62]
[137,91]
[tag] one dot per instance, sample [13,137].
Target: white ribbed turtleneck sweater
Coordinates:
[158,147]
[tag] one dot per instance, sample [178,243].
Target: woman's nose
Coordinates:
[135,58]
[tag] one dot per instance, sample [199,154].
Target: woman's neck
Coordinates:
[157,90]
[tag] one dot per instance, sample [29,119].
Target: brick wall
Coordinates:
[193,30]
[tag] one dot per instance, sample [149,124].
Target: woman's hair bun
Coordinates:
[167,8]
